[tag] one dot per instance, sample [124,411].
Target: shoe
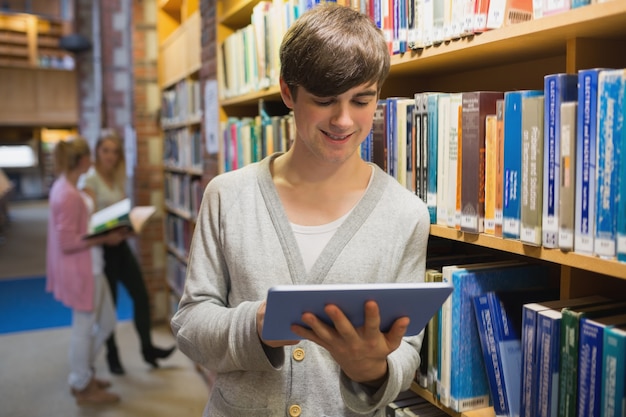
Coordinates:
[93,395]
[115,366]
[152,354]
[100,383]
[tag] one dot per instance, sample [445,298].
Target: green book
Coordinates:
[119,215]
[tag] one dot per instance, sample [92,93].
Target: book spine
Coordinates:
[432,159]
[493,363]
[411,148]
[512,162]
[499,151]
[453,160]
[580,3]
[568,175]
[621,201]
[614,372]
[586,138]
[434,342]
[392,139]
[548,338]
[379,136]
[610,100]
[568,375]
[557,89]
[532,169]
[590,345]
[490,173]
[443,132]
[417,149]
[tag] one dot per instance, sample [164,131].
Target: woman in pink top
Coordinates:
[74,271]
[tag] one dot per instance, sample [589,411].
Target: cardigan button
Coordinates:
[298,354]
[295,410]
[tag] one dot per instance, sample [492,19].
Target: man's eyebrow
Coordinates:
[366,93]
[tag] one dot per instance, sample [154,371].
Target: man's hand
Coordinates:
[361,353]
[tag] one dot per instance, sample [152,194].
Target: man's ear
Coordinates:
[285,93]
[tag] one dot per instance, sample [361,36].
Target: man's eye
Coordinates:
[361,103]
[323,102]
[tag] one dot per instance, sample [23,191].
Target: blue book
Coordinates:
[590,347]
[548,349]
[621,201]
[493,362]
[432,109]
[463,382]
[614,372]
[511,206]
[610,122]
[506,309]
[586,138]
[579,3]
[558,88]
[530,357]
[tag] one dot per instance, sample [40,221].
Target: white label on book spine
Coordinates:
[621,244]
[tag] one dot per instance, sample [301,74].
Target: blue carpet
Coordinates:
[25,305]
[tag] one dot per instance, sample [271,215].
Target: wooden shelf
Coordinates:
[611,268]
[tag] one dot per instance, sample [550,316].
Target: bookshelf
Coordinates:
[181,116]
[510,58]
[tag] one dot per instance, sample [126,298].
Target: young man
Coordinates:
[315,214]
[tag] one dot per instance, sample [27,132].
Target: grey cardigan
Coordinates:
[243,245]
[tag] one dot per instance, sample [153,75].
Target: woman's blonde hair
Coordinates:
[68,152]
[119,176]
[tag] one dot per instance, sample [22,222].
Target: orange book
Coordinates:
[490,174]
[499,151]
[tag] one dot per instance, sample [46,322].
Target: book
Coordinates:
[453,152]
[567,185]
[119,215]
[508,12]
[610,125]
[551,7]
[586,139]
[404,399]
[493,363]
[558,88]
[432,155]
[507,309]
[532,170]
[511,205]
[443,134]
[530,372]
[499,174]
[621,202]
[568,367]
[548,343]
[432,336]
[590,346]
[490,173]
[614,372]
[379,135]
[476,106]
[463,383]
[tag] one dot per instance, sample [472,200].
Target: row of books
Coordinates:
[250,139]
[409,404]
[453,368]
[183,148]
[553,358]
[183,193]
[179,233]
[181,103]
[250,60]
[540,166]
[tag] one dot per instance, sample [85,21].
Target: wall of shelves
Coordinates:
[181,116]
[510,58]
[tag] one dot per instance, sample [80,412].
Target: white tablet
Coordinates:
[287,303]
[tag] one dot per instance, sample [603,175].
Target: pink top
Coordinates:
[69,262]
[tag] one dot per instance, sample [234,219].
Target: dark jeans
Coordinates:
[121,265]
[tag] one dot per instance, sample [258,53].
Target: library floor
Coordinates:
[33,365]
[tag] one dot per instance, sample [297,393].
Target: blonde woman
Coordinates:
[107,184]
[75,272]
